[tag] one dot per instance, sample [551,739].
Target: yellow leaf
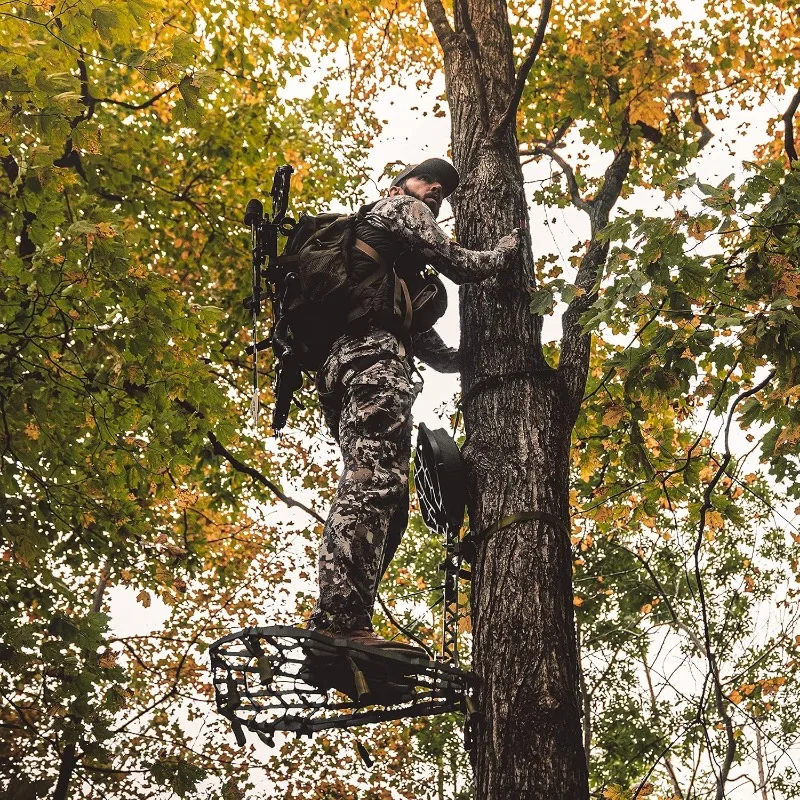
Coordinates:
[735,697]
[32,431]
[577,601]
[707,473]
[615,792]
[714,520]
[144,598]
[108,660]
[186,498]
[613,414]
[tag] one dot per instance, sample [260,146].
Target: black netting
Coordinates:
[321,272]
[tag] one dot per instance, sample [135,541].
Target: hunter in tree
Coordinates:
[366,388]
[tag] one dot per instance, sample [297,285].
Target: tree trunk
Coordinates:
[528,741]
[67,766]
[70,757]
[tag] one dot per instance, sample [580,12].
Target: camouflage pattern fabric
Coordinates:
[366,393]
[413,223]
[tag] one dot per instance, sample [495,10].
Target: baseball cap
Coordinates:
[441,169]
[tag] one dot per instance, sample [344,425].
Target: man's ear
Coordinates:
[394,191]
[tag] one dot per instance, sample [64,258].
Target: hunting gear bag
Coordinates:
[308,286]
[328,281]
[314,271]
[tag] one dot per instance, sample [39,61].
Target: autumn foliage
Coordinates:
[143,516]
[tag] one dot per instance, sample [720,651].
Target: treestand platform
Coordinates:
[281,678]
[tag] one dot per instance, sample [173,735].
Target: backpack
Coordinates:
[313,283]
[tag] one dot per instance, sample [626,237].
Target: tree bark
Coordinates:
[528,741]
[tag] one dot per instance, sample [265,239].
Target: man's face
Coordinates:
[426,188]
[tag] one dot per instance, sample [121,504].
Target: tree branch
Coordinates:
[719,697]
[552,142]
[676,787]
[788,127]
[463,17]
[510,113]
[691,97]
[586,695]
[569,174]
[410,634]
[609,193]
[575,344]
[135,106]
[650,133]
[441,25]
[240,466]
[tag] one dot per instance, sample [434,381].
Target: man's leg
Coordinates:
[375,437]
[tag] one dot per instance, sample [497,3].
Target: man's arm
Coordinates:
[413,222]
[431,350]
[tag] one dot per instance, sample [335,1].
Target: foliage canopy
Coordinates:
[133,134]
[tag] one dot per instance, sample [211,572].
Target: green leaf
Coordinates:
[184,50]
[108,21]
[541,301]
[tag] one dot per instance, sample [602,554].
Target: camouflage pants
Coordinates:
[366,395]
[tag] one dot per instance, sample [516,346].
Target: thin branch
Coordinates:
[569,174]
[676,787]
[410,634]
[677,621]
[510,113]
[788,127]
[719,698]
[559,132]
[762,780]
[240,466]
[134,106]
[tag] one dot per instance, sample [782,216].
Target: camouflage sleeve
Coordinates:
[413,222]
[431,350]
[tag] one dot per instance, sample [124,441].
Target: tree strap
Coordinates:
[488,381]
[471,541]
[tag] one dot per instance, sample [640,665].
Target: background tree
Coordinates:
[133,135]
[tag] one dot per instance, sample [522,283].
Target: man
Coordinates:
[366,389]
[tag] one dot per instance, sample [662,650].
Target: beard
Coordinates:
[433,201]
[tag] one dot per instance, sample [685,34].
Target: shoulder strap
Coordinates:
[370,252]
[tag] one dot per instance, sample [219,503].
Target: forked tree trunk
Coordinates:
[528,740]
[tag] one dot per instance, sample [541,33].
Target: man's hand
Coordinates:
[509,244]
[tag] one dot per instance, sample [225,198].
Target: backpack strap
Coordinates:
[370,252]
[402,299]
[402,304]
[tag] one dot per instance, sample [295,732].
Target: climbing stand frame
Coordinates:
[282,678]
